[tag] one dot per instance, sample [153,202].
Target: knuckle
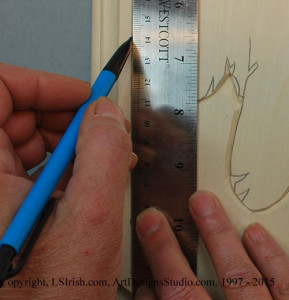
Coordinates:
[283,288]
[218,227]
[97,210]
[239,273]
[158,247]
[96,217]
[184,293]
[276,255]
[95,206]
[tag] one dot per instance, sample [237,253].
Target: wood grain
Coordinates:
[243,125]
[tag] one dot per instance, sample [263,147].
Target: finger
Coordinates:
[225,248]
[30,139]
[6,104]
[31,143]
[145,293]
[52,131]
[270,259]
[93,203]
[40,90]
[31,152]
[54,121]
[20,126]
[165,258]
[51,139]
[9,161]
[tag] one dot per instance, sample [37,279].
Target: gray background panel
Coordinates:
[53,35]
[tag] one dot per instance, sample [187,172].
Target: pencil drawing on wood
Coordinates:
[240,181]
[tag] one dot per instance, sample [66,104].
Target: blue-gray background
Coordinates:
[53,35]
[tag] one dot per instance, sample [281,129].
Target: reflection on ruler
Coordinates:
[164,117]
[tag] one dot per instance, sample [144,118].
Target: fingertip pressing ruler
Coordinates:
[164,118]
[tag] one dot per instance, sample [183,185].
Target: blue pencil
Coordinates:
[29,212]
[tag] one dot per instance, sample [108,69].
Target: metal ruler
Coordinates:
[164,117]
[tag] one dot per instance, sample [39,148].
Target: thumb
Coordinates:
[93,201]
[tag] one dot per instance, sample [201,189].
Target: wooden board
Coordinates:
[243,109]
[243,124]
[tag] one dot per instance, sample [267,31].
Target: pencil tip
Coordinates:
[117,61]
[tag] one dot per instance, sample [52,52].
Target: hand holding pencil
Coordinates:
[78,252]
[35,109]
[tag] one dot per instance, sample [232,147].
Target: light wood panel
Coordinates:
[243,149]
[243,125]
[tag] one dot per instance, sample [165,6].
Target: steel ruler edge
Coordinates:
[164,119]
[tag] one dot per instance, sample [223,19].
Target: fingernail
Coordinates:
[107,109]
[145,293]
[202,204]
[148,222]
[133,161]
[256,233]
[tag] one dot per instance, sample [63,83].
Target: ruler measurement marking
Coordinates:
[164,115]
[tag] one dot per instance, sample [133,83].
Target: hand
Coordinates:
[263,257]
[82,238]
